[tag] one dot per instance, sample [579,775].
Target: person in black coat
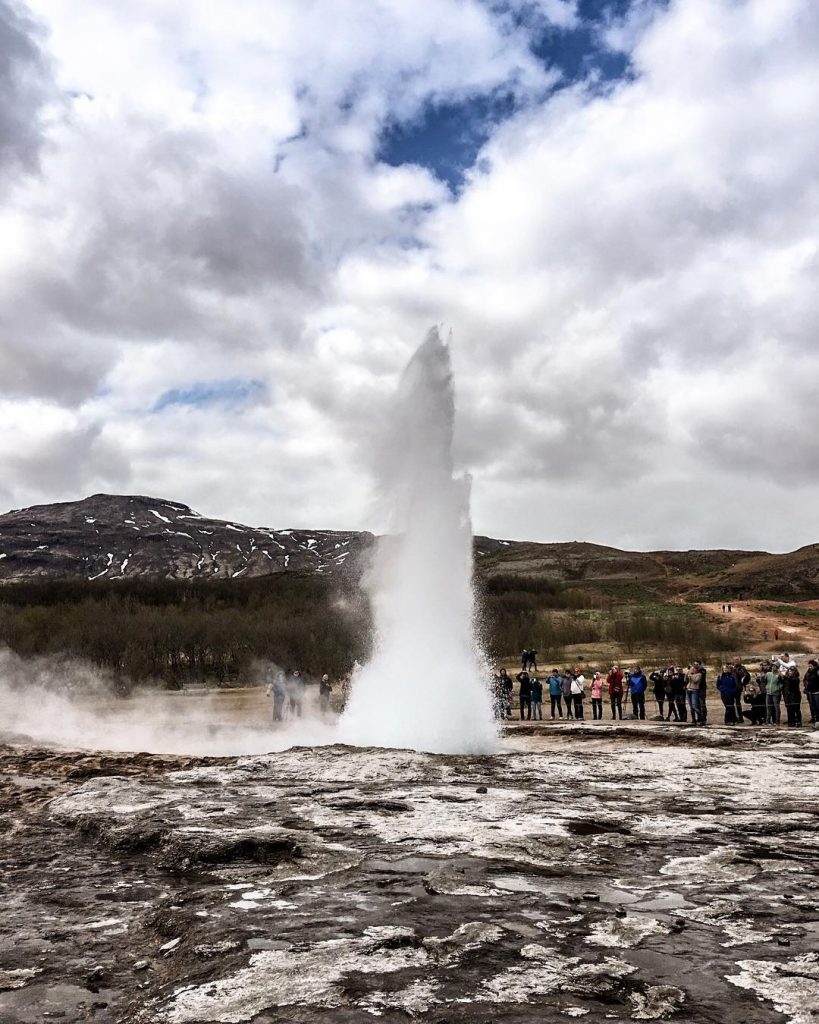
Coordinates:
[658,679]
[525,695]
[792,696]
[811,686]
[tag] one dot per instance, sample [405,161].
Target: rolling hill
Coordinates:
[111,537]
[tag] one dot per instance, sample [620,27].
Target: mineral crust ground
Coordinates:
[615,874]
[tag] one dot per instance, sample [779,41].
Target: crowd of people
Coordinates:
[681,694]
[288,691]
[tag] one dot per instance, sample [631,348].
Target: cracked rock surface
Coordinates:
[616,877]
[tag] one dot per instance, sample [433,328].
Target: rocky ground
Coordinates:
[637,875]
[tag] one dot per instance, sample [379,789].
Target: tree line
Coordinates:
[175,632]
[217,631]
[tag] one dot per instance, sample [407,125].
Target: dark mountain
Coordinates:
[109,536]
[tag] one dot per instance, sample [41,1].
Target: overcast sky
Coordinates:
[225,227]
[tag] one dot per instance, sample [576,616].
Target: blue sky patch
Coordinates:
[224,392]
[447,137]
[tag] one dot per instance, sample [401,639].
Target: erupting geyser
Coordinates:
[425,687]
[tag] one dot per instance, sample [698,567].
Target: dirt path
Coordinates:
[763,620]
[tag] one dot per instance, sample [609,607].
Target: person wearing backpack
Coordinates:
[637,685]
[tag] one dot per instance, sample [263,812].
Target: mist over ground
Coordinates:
[68,703]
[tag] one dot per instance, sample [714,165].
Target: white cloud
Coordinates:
[629,270]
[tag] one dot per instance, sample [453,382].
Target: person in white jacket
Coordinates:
[785,662]
[578,692]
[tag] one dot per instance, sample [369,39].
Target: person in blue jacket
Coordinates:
[555,693]
[637,684]
[728,690]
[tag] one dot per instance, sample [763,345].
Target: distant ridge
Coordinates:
[112,537]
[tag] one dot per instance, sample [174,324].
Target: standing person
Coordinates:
[810,684]
[507,686]
[295,693]
[555,693]
[728,691]
[578,693]
[291,683]
[537,698]
[693,681]
[776,634]
[614,684]
[743,681]
[773,696]
[596,694]
[525,695]
[531,659]
[678,695]
[524,659]
[325,689]
[278,689]
[703,671]
[792,696]
[753,697]
[300,692]
[658,679]
[566,690]
[637,685]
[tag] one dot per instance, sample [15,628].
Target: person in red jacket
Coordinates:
[614,684]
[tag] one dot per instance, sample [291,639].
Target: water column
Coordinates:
[426,684]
